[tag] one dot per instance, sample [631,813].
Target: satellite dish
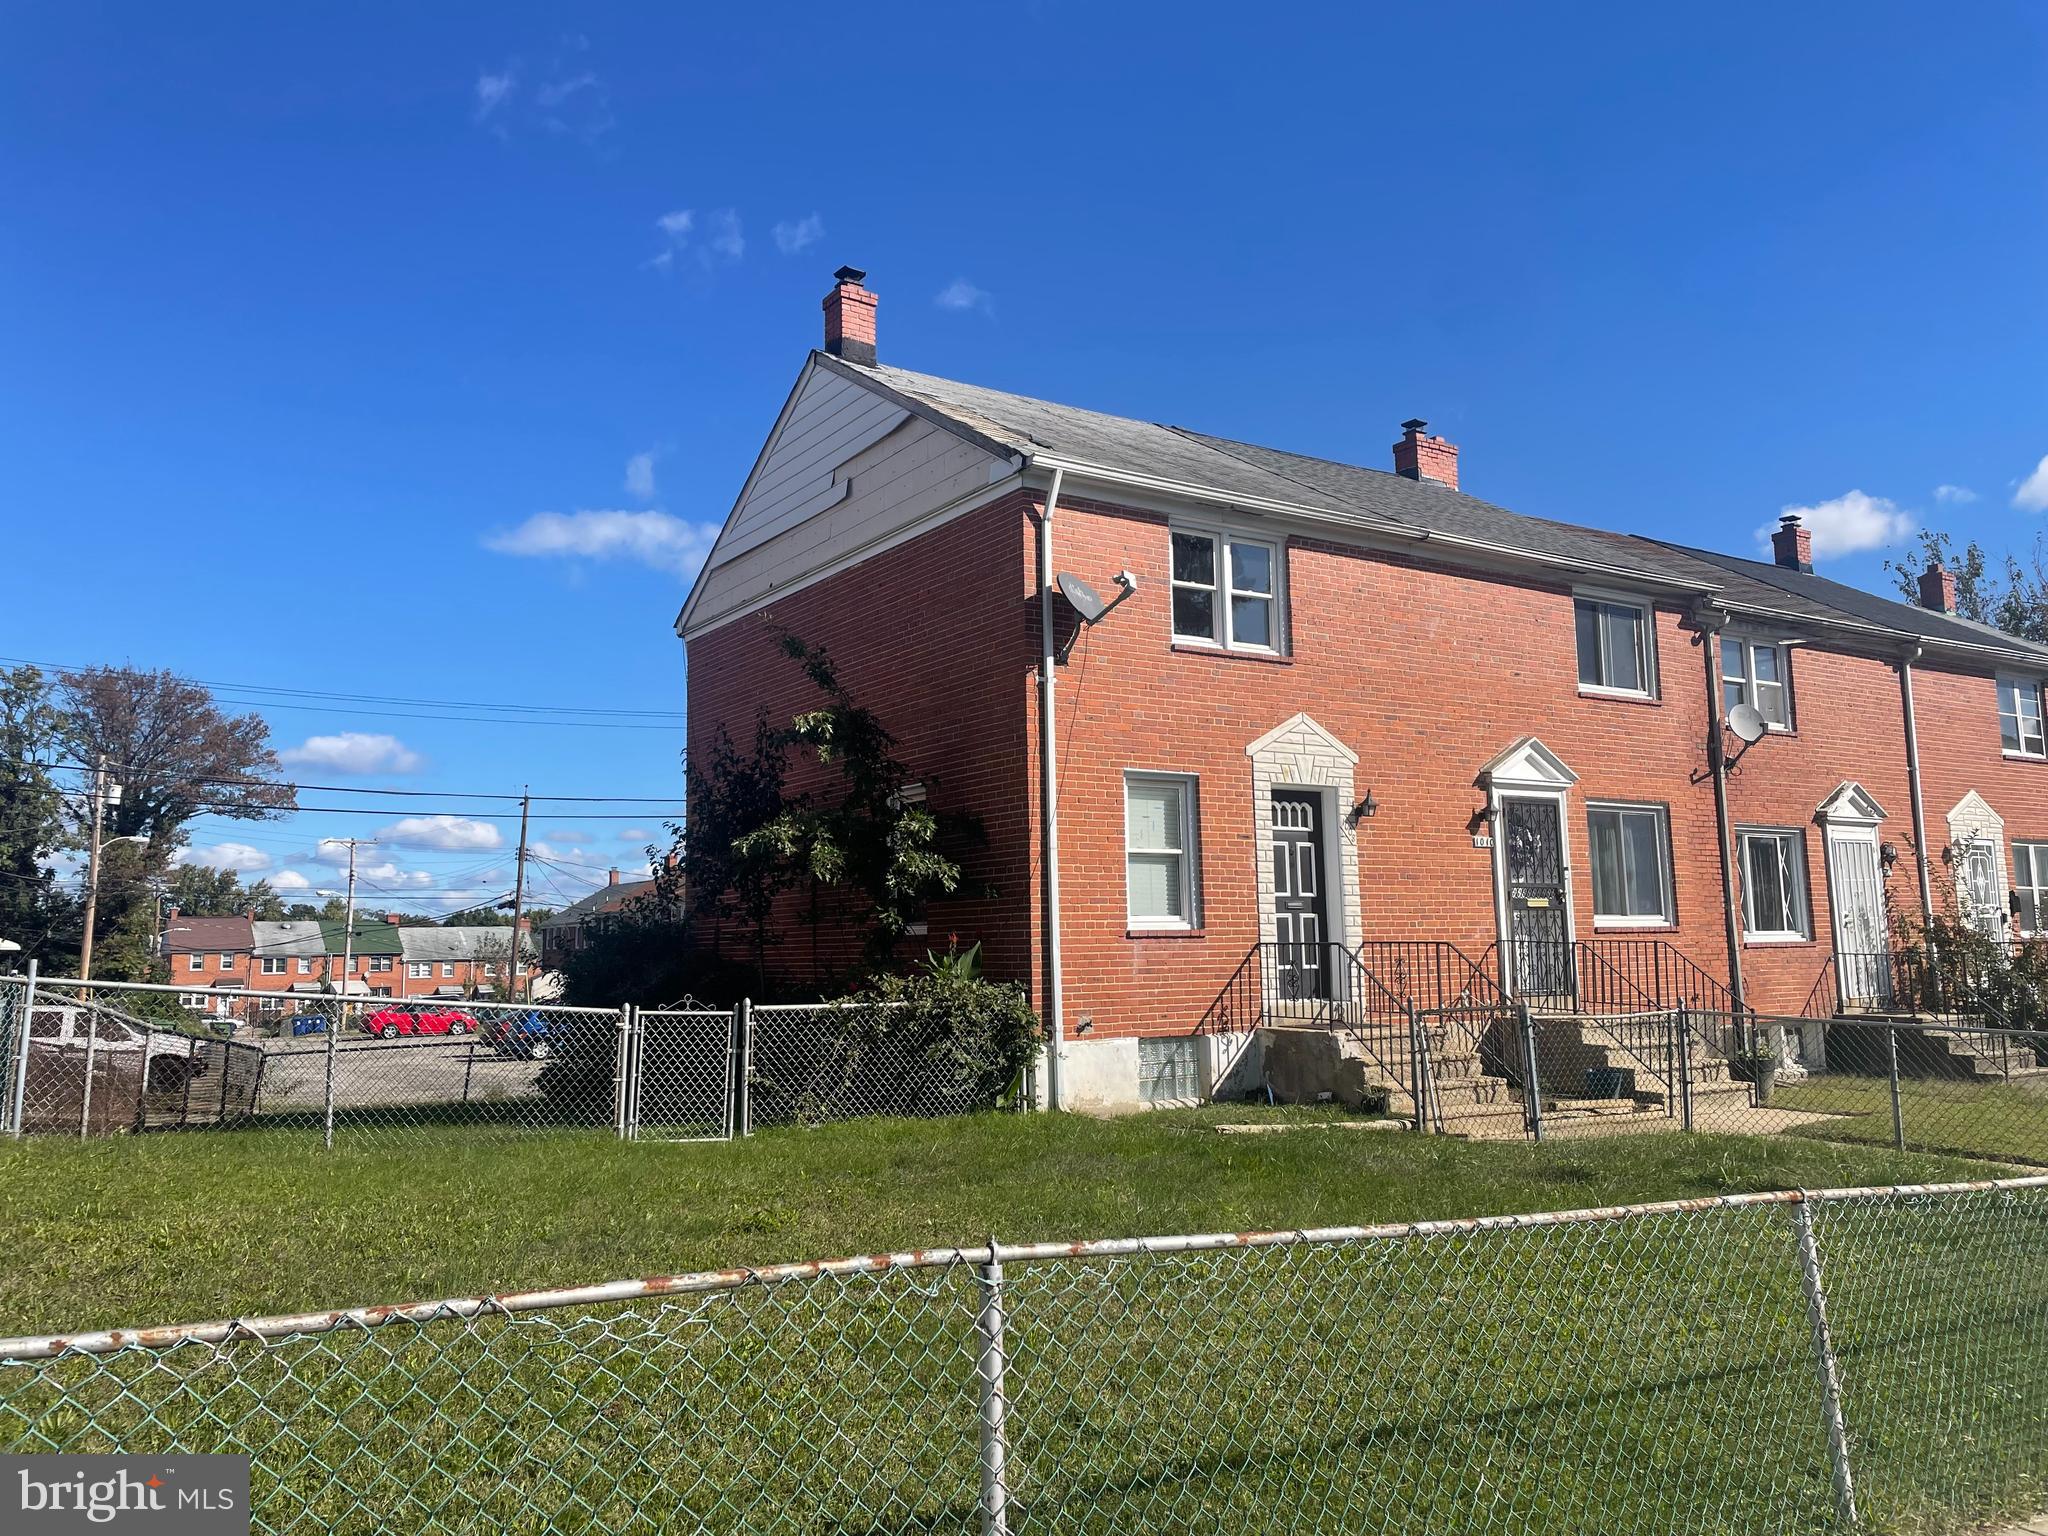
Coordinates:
[1746,723]
[1086,601]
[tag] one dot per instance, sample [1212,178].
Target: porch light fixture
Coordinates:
[1888,855]
[1365,808]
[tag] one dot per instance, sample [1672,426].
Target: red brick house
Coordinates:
[1359,710]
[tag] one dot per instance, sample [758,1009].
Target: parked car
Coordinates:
[522,1034]
[309,1024]
[390,1023]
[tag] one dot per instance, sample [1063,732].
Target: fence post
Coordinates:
[1824,1359]
[636,1068]
[18,1089]
[619,1066]
[744,1023]
[337,1022]
[990,1363]
[1685,1066]
[92,1050]
[1418,1092]
[1532,1087]
[1891,1041]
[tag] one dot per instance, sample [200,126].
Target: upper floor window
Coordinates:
[227,962]
[305,965]
[2030,886]
[1226,590]
[1616,654]
[1159,849]
[2019,717]
[195,961]
[1773,862]
[419,970]
[273,965]
[1757,673]
[1631,865]
[448,968]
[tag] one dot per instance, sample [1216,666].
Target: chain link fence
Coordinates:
[1756,1363]
[102,1058]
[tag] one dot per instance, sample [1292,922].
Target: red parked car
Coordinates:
[390,1023]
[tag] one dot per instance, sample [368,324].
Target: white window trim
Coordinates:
[1751,642]
[1662,814]
[2020,753]
[447,970]
[1190,853]
[2037,856]
[273,965]
[1803,886]
[196,961]
[1221,536]
[1647,607]
[419,970]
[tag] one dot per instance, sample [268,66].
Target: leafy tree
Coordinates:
[730,878]
[2013,598]
[35,911]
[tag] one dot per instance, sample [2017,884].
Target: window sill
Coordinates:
[1622,925]
[1775,941]
[2022,757]
[1269,658]
[1165,933]
[1618,695]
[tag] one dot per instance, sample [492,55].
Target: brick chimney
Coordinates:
[850,318]
[392,918]
[1792,544]
[614,879]
[1938,589]
[1422,457]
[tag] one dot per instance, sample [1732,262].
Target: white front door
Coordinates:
[1856,891]
[1979,890]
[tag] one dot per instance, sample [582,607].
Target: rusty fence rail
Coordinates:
[1805,1362]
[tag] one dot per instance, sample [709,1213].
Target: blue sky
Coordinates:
[323,334]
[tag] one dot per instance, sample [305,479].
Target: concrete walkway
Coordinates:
[2037,1526]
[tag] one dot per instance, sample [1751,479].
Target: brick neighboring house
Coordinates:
[451,963]
[207,954]
[1354,717]
[562,934]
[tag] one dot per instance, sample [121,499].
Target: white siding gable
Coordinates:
[846,472]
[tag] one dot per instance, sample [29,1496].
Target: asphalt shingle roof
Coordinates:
[182,935]
[1381,498]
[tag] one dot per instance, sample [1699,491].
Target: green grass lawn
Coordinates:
[1654,1375]
[159,1229]
[1993,1120]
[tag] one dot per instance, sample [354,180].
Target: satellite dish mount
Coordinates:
[1747,724]
[1088,604]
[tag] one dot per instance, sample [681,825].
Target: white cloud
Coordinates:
[960,294]
[640,476]
[636,835]
[651,538]
[727,240]
[1847,524]
[2032,496]
[353,752]
[1954,495]
[546,850]
[793,235]
[677,224]
[495,90]
[289,882]
[452,832]
[239,857]
[568,835]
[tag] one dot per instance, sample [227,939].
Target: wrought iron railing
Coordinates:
[1430,973]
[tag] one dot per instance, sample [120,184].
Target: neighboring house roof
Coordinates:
[606,898]
[373,937]
[1262,478]
[480,942]
[292,938]
[185,934]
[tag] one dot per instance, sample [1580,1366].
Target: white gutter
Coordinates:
[1049,804]
[1913,779]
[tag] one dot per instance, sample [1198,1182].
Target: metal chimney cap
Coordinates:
[850,275]
[1414,424]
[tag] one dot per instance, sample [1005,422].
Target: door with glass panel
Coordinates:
[1977,889]
[1856,890]
[1539,922]
[1301,910]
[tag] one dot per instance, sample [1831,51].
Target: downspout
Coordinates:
[1711,622]
[1913,781]
[1049,805]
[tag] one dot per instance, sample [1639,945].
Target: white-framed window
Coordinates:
[274,1004]
[1160,852]
[1617,648]
[380,962]
[1631,848]
[418,970]
[227,962]
[1757,673]
[2030,886]
[195,961]
[1226,590]
[1773,864]
[273,965]
[305,965]
[447,970]
[192,1000]
[2019,717]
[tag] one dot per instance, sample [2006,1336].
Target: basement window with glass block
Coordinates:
[1167,1070]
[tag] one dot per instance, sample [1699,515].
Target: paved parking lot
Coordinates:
[372,1073]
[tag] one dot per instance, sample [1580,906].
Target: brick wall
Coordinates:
[935,637]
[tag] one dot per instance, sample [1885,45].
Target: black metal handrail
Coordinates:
[1430,973]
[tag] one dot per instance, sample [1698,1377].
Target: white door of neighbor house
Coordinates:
[1979,890]
[1856,891]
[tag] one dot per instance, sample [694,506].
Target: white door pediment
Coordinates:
[1528,764]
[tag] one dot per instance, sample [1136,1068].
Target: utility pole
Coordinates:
[92,866]
[518,894]
[348,953]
